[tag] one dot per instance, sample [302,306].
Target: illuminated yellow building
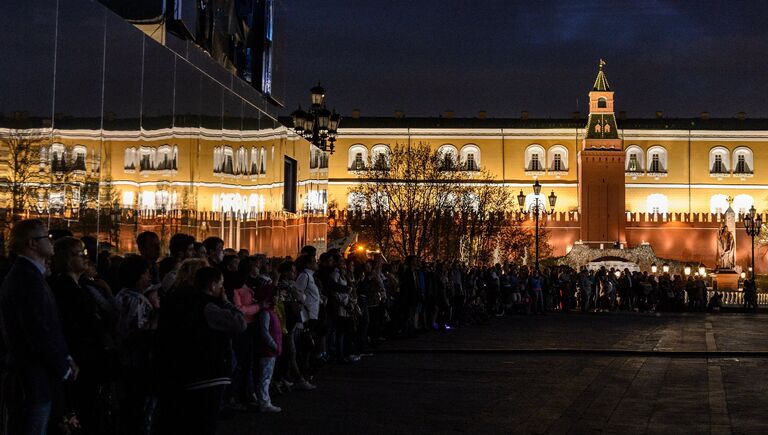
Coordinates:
[108,131]
[672,165]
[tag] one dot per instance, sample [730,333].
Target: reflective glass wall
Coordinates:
[108,133]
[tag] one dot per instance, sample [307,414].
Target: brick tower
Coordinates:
[601,171]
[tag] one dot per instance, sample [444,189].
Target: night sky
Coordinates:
[427,56]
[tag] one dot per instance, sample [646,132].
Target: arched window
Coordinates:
[58,157]
[657,160]
[635,161]
[718,204]
[263,159]
[357,157]
[598,128]
[175,160]
[448,156]
[607,128]
[147,200]
[743,161]
[228,162]
[129,161]
[128,199]
[380,156]
[356,201]
[719,163]
[557,158]
[534,158]
[742,203]
[147,158]
[602,103]
[470,157]
[446,201]
[241,161]
[254,169]
[164,158]
[217,153]
[44,156]
[79,152]
[657,203]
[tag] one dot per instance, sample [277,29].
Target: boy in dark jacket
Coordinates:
[195,348]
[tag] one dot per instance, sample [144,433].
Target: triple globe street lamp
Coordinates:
[318,124]
[753,225]
[536,208]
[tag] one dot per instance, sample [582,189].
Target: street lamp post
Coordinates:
[318,125]
[537,208]
[753,225]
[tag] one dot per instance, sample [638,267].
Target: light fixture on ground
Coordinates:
[536,208]
[665,268]
[654,268]
[687,270]
[753,225]
[702,271]
[318,125]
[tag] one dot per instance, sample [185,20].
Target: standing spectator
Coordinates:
[195,333]
[535,283]
[149,249]
[409,295]
[86,330]
[310,295]
[243,345]
[268,347]
[750,295]
[293,301]
[36,353]
[136,326]
[214,248]
[182,246]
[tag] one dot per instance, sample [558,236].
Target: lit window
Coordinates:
[633,166]
[742,203]
[535,164]
[359,164]
[657,203]
[718,204]
[602,103]
[557,163]
[656,164]
[718,167]
[471,165]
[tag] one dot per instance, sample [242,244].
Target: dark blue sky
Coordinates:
[426,56]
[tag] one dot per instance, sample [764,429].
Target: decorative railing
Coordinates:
[736,298]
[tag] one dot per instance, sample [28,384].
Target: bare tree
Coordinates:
[399,198]
[22,149]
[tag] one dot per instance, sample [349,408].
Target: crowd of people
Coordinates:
[151,344]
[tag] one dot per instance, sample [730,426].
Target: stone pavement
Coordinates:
[555,374]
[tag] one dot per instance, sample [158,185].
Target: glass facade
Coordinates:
[108,133]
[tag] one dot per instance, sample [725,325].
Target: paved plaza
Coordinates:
[621,373]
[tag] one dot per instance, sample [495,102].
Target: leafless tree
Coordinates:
[419,202]
[22,154]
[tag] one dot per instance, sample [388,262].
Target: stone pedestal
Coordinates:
[727,280]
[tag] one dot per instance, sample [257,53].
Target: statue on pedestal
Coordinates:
[726,241]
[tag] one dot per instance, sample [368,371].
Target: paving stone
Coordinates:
[563,393]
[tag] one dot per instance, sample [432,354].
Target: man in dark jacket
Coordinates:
[37,356]
[410,294]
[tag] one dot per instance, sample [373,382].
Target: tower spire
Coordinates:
[601,82]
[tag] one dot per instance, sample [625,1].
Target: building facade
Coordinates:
[667,183]
[108,132]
